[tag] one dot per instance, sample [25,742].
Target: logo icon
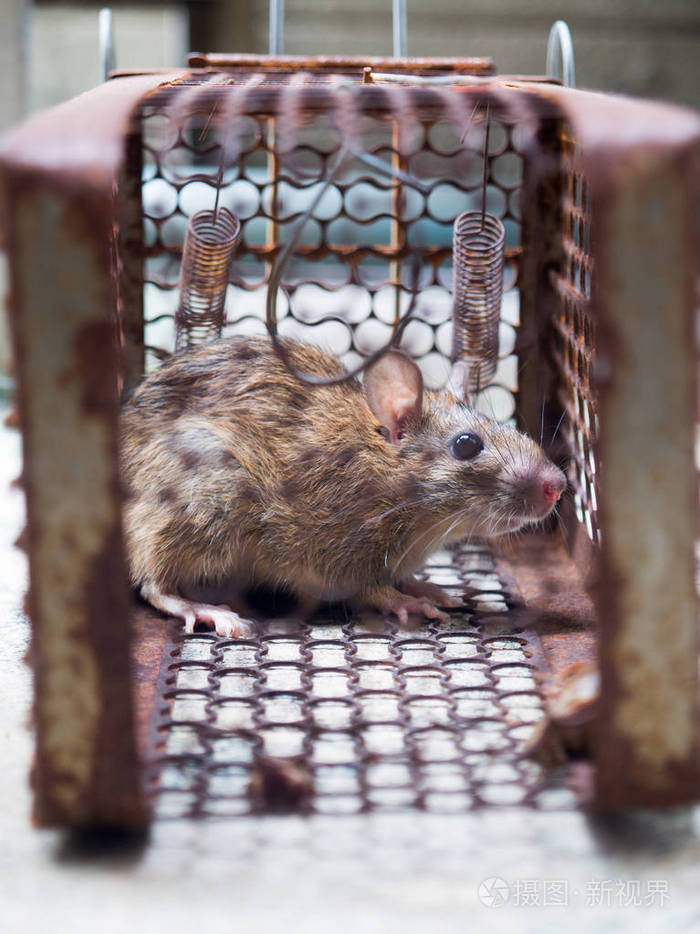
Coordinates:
[494,892]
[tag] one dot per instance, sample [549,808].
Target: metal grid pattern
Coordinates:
[349,278]
[658,148]
[375,716]
[573,339]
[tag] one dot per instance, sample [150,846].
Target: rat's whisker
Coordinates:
[559,424]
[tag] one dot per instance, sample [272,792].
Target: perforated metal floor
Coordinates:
[357,714]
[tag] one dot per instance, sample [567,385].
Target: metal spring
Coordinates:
[210,241]
[478,245]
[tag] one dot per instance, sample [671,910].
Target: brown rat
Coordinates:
[239,475]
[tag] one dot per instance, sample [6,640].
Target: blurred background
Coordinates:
[49,49]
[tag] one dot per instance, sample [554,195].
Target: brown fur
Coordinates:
[242,475]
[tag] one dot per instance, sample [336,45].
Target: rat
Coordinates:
[239,475]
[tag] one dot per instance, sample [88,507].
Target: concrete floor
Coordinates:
[403,872]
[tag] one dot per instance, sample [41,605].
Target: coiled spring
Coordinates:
[478,249]
[210,241]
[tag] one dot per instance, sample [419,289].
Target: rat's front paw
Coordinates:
[388,600]
[433,593]
[226,623]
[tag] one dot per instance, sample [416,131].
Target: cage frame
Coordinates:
[70,198]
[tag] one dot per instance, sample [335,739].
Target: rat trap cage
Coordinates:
[545,234]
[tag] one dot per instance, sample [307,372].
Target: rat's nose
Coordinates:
[542,490]
[551,491]
[551,486]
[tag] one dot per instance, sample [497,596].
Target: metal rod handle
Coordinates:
[398,16]
[276,27]
[106,40]
[400,33]
[560,45]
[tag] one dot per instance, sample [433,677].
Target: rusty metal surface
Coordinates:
[151,643]
[556,336]
[576,146]
[541,208]
[582,143]
[343,715]
[568,731]
[556,605]
[288,134]
[580,182]
[342,63]
[62,219]
[640,163]
[128,259]
[573,341]
[646,311]
[78,602]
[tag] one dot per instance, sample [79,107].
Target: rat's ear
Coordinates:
[458,383]
[394,389]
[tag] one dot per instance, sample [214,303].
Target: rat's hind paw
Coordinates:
[226,623]
[389,600]
[433,593]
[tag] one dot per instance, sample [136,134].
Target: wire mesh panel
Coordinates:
[342,715]
[345,715]
[573,342]
[408,172]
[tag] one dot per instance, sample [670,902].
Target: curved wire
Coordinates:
[274,284]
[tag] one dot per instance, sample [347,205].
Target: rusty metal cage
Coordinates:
[596,359]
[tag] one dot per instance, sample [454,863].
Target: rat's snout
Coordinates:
[552,490]
[541,490]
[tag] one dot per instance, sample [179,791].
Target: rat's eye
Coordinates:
[466,446]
